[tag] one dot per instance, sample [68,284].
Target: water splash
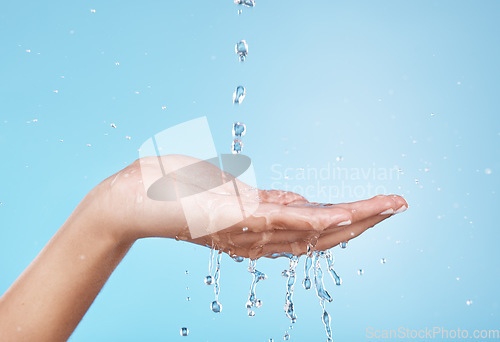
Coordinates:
[239,94]
[290,284]
[330,260]
[257,276]
[216,306]
[241,49]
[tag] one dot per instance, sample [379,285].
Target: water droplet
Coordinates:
[184,331]
[383,261]
[307,283]
[416,181]
[237,146]
[239,94]
[163,107]
[343,244]
[92,10]
[241,49]
[239,12]
[208,280]
[286,337]
[245,229]
[113,125]
[127,137]
[469,302]
[239,129]
[251,313]
[238,258]
[187,272]
[216,306]
[330,260]
[247,3]
[188,299]
[339,158]
[360,272]
[258,303]
[488,171]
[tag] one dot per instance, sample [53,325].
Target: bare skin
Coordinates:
[51,296]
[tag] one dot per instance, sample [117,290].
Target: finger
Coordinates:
[349,232]
[253,240]
[302,217]
[378,205]
[280,197]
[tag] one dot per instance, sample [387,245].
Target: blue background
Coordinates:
[409,85]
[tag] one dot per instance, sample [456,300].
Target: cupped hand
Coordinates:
[234,217]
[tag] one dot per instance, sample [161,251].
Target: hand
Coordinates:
[274,221]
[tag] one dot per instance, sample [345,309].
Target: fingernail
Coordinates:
[344,223]
[387,212]
[400,210]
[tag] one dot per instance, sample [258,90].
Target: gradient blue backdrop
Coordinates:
[409,85]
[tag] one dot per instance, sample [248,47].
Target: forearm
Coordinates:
[49,299]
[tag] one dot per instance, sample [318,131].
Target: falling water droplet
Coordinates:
[383,261]
[238,258]
[251,313]
[343,244]
[184,331]
[241,49]
[322,294]
[286,337]
[290,284]
[330,260]
[239,94]
[239,129]
[360,272]
[208,280]
[307,269]
[327,322]
[256,277]
[187,272]
[469,302]
[247,3]
[237,146]
[113,125]
[216,306]
[339,158]
[188,299]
